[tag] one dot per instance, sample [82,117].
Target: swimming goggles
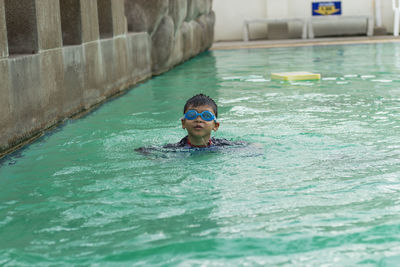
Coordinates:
[205,115]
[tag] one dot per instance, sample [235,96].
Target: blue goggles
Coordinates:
[205,115]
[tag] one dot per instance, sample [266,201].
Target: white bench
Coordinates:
[369,19]
[265,20]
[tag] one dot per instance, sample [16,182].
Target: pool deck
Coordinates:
[304,42]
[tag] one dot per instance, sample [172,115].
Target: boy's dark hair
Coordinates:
[201,100]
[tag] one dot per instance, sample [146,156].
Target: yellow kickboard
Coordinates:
[295,76]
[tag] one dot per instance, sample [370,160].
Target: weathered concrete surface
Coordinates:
[40,90]
[90,21]
[139,56]
[145,15]
[106,27]
[206,23]
[83,55]
[94,75]
[118,16]
[51,82]
[187,38]
[163,41]
[48,24]
[3,31]
[111,18]
[196,32]
[120,64]
[71,22]
[180,29]
[25,97]
[165,22]
[22,29]
[115,65]
[178,11]
[177,50]
[73,86]
[6,126]
[195,9]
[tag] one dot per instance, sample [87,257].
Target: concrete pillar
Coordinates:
[3,31]
[119,19]
[21,22]
[48,24]
[90,22]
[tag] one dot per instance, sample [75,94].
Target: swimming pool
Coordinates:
[319,184]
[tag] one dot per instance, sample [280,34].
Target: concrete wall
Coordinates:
[61,57]
[231,14]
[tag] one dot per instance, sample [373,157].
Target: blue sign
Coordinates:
[326,8]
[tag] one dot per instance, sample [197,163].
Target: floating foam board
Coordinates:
[295,76]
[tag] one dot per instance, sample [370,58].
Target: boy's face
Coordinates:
[198,127]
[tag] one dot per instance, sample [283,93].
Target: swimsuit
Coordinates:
[184,144]
[214,142]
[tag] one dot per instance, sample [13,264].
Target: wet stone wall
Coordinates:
[59,58]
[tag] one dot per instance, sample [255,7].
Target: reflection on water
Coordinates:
[319,182]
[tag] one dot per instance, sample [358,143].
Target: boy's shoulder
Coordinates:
[181,143]
[226,142]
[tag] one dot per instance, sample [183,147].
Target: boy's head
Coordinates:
[202,119]
[201,100]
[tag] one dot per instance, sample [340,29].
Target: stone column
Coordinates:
[48,24]
[119,19]
[94,73]
[3,31]
[90,22]
[51,59]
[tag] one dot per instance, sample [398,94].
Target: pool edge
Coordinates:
[233,45]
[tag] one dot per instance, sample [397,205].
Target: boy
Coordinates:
[199,120]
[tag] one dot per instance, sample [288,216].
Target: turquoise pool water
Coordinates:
[319,184]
